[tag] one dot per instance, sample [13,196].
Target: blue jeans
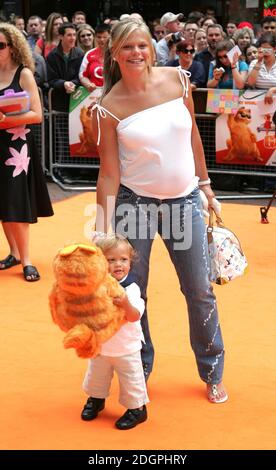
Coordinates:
[180,224]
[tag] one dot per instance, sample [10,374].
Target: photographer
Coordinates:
[173,33]
[173,41]
[224,73]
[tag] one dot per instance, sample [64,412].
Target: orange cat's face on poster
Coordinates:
[243,115]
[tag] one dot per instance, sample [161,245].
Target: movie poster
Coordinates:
[80,123]
[247,136]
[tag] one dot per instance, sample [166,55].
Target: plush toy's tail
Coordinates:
[83,339]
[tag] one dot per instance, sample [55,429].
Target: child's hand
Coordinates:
[132,314]
[121,301]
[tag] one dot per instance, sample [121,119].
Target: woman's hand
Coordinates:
[218,73]
[2,116]
[211,202]
[268,99]
[235,59]
[96,236]
[260,56]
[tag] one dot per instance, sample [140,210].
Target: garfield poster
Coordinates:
[80,123]
[248,136]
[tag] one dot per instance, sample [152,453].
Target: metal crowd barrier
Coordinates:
[207,128]
[59,153]
[38,131]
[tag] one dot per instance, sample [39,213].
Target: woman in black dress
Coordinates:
[23,191]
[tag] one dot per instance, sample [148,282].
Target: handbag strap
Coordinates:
[219,223]
[210,226]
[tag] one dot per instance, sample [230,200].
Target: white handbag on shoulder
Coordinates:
[227,260]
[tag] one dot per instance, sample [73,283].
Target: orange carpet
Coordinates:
[41,394]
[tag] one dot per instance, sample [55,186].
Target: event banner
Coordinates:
[80,123]
[247,136]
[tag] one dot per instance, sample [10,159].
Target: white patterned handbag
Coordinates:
[227,260]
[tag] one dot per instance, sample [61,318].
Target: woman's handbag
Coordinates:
[227,260]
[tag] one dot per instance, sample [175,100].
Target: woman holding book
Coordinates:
[23,191]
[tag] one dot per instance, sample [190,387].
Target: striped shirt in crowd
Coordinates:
[266,79]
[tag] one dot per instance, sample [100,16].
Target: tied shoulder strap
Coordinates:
[101,113]
[184,75]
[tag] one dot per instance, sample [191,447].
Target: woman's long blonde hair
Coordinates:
[20,49]
[119,35]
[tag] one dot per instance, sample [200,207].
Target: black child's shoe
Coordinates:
[131,418]
[92,408]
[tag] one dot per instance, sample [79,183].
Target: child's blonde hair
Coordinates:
[112,241]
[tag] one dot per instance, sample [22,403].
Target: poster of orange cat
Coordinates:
[244,138]
[80,123]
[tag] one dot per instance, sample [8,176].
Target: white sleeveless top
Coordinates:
[155,151]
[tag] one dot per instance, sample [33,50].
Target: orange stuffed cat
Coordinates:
[81,300]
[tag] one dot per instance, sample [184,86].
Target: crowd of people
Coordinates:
[151,155]
[170,35]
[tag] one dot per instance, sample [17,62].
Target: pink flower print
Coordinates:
[20,160]
[18,132]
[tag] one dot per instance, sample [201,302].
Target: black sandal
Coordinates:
[9,262]
[30,273]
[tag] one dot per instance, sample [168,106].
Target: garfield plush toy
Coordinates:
[81,300]
[242,143]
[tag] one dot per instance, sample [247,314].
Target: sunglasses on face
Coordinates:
[3,45]
[266,49]
[187,51]
[88,35]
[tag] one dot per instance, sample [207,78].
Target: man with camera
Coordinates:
[173,33]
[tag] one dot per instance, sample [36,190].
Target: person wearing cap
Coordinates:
[245,24]
[172,24]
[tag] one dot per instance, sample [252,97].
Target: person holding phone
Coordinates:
[262,71]
[226,73]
